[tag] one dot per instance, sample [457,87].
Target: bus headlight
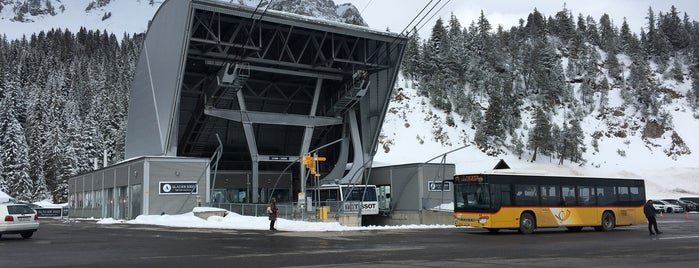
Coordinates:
[483,220]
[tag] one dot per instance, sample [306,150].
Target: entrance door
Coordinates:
[136,200]
[108,210]
[384,192]
[120,208]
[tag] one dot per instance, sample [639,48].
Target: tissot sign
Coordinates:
[178,187]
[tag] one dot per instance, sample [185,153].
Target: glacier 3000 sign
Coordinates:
[178,187]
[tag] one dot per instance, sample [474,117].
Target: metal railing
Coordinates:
[286,210]
[290,211]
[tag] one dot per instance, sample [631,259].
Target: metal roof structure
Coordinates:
[271,86]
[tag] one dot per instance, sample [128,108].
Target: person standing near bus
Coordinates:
[272,211]
[649,210]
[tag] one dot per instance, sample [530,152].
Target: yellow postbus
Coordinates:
[523,202]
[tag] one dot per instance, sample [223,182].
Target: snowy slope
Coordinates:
[407,138]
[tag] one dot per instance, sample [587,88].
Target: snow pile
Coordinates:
[4,198]
[239,222]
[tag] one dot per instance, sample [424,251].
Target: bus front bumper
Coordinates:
[473,221]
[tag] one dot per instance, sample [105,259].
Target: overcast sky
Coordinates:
[396,14]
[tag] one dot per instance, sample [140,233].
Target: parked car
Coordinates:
[18,219]
[672,207]
[685,206]
[692,205]
[694,200]
[659,205]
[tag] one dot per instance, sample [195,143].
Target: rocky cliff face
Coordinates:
[23,11]
[34,11]
[327,9]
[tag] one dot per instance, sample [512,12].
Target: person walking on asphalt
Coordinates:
[272,211]
[649,210]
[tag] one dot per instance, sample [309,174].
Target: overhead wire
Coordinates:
[403,33]
[438,10]
[365,6]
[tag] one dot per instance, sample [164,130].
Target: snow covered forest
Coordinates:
[64,95]
[63,102]
[529,88]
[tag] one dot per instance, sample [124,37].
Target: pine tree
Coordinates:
[3,183]
[673,29]
[572,142]
[604,95]
[592,35]
[628,41]
[492,126]
[608,34]
[410,65]
[676,72]
[642,89]
[565,27]
[457,53]
[693,94]
[575,139]
[540,136]
[536,25]
[614,68]
[14,150]
[651,34]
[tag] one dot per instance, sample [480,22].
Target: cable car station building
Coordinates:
[227,99]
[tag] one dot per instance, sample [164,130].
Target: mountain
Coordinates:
[22,17]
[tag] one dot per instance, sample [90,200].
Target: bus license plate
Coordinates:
[24,218]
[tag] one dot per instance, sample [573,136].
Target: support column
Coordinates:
[308,133]
[252,148]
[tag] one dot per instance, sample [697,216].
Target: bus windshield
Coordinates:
[472,196]
[355,193]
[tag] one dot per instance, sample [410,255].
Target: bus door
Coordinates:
[384,193]
[500,195]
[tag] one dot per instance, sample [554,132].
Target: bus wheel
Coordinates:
[527,223]
[493,230]
[608,222]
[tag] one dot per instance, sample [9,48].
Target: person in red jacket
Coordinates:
[273,213]
[649,210]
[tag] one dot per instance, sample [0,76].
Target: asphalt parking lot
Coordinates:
[61,243]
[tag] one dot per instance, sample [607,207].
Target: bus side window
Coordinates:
[568,195]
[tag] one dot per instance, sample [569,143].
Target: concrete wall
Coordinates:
[409,184]
[108,192]
[173,170]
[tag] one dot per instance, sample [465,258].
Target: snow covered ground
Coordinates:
[239,222]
